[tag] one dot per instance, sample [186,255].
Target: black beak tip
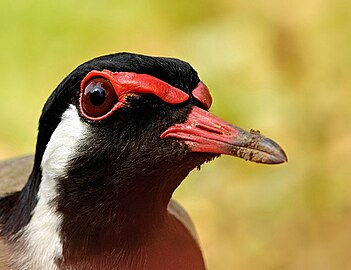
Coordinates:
[279,157]
[276,154]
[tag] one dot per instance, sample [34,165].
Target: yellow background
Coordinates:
[283,67]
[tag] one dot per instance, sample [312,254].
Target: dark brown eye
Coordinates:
[98,98]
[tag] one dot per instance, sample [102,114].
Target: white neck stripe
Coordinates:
[40,244]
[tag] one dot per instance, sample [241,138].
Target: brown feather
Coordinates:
[13,176]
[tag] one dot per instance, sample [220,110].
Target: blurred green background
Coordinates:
[278,66]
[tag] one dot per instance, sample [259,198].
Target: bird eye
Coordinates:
[99,97]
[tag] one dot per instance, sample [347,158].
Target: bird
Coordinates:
[115,139]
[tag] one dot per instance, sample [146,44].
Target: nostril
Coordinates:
[215,129]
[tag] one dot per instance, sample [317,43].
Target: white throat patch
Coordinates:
[39,245]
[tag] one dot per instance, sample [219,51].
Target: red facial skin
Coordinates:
[202,94]
[126,83]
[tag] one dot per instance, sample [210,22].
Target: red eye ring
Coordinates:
[98,97]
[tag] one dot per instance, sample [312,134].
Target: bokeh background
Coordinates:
[283,67]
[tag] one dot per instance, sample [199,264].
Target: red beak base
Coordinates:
[204,132]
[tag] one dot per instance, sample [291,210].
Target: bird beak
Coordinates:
[206,133]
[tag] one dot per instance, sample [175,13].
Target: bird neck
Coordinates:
[123,220]
[138,233]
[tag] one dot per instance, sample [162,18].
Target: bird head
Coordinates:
[127,121]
